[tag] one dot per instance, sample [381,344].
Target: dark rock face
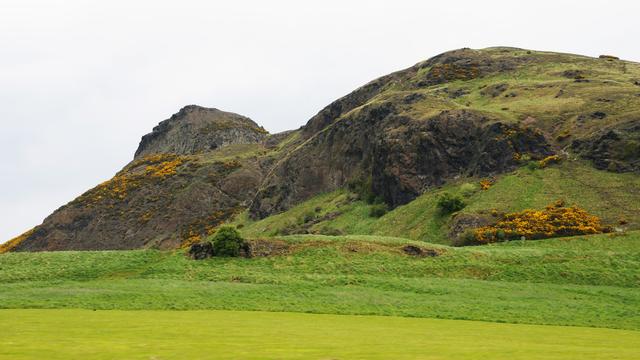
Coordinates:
[615,149]
[461,222]
[494,90]
[197,129]
[423,154]
[413,250]
[400,155]
[575,74]
[201,251]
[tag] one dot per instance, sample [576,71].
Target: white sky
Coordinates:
[82,81]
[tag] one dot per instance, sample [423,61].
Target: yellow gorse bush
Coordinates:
[156,167]
[13,243]
[485,184]
[164,169]
[555,220]
[553,159]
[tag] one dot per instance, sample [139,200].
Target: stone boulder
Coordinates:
[200,251]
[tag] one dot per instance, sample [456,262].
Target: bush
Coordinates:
[485,184]
[467,238]
[553,221]
[448,203]
[378,210]
[364,190]
[228,242]
[307,218]
[331,231]
[468,189]
[533,165]
[553,159]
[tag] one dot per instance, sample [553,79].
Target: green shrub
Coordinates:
[533,165]
[448,203]
[228,242]
[630,150]
[364,190]
[467,238]
[331,231]
[308,217]
[468,189]
[378,210]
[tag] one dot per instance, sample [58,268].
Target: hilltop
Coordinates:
[444,124]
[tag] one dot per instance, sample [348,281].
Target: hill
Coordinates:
[460,117]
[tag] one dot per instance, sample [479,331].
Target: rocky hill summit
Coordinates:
[464,114]
[197,129]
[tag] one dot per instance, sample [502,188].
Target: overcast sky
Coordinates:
[82,81]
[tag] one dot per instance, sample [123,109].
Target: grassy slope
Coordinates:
[609,195]
[81,334]
[535,91]
[574,281]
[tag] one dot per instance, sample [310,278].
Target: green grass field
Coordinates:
[584,281]
[83,334]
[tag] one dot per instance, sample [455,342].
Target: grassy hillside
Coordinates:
[37,334]
[611,196]
[552,88]
[590,281]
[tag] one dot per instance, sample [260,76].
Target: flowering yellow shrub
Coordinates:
[553,159]
[13,243]
[555,220]
[190,239]
[144,218]
[485,184]
[157,166]
[152,160]
[163,169]
[115,188]
[231,164]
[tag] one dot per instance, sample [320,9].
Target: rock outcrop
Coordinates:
[401,156]
[195,129]
[614,148]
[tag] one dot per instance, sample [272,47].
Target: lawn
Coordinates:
[581,281]
[84,334]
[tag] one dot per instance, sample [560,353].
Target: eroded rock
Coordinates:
[196,129]
[200,251]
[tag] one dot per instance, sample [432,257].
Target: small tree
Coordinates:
[378,210]
[227,242]
[448,203]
